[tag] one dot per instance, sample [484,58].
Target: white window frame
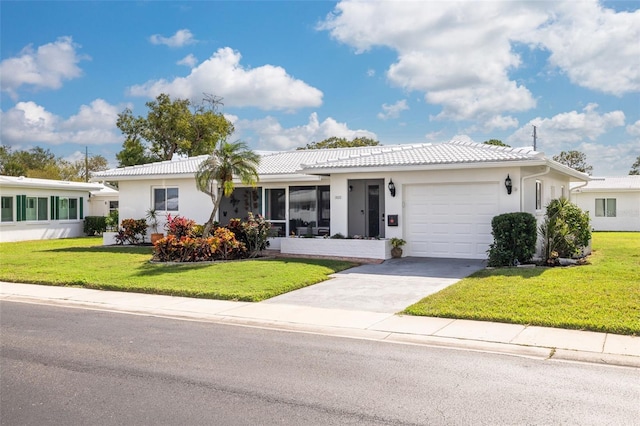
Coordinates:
[36,199]
[166,190]
[609,207]
[10,199]
[538,195]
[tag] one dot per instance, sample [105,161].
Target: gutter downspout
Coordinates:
[522,179]
[572,190]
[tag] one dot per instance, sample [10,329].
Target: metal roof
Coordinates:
[25,182]
[458,151]
[617,183]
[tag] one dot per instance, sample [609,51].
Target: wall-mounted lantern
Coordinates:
[508,184]
[392,188]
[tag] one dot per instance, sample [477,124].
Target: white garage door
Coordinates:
[450,220]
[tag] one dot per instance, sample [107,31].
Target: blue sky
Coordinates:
[295,72]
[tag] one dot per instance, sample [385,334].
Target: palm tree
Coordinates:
[215,174]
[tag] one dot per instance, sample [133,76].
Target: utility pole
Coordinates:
[86,164]
[535,138]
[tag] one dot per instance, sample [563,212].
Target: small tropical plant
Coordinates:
[397,242]
[112,220]
[565,230]
[152,218]
[179,226]
[132,231]
[254,233]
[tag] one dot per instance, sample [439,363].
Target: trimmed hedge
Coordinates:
[94,225]
[514,236]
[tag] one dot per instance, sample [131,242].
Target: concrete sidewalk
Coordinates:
[530,341]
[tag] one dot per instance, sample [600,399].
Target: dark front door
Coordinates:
[366,208]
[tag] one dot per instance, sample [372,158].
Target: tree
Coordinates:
[171,127]
[335,142]
[575,159]
[496,142]
[635,169]
[43,164]
[215,174]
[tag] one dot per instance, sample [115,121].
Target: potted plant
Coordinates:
[396,244]
[152,217]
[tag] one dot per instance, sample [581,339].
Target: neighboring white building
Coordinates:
[103,201]
[613,203]
[38,209]
[443,199]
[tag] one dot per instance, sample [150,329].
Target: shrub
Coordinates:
[179,226]
[565,230]
[132,231]
[514,239]
[112,220]
[94,225]
[222,245]
[254,233]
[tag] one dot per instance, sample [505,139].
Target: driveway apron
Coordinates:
[388,287]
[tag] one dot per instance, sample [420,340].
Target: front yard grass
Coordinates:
[83,262]
[603,296]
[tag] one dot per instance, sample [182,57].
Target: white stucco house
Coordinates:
[103,201]
[613,203]
[440,198]
[37,209]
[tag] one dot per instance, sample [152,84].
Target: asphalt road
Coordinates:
[75,366]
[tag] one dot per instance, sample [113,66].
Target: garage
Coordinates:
[450,220]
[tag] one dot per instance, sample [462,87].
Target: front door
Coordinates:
[366,208]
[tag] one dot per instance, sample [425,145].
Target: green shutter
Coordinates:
[56,211]
[52,208]
[21,208]
[81,207]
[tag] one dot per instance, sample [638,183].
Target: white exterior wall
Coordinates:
[627,210]
[42,229]
[99,206]
[136,198]
[396,205]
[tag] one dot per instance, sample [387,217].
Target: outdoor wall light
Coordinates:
[508,184]
[392,188]
[350,188]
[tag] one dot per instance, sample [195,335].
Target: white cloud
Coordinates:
[634,129]
[371,72]
[610,160]
[461,59]
[188,60]
[394,110]
[271,135]
[267,87]
[29,123]
[179,39]
[45,67]
[596,47]
[564,130]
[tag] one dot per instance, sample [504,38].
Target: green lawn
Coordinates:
[84,262]
[602,296]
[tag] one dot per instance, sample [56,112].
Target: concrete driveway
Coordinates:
[388,287]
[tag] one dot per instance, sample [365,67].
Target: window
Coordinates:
[538,195]
[605,207]
[113,206]
[309,210]
[562,193]
[36,208]
[165,199]
[67,208]
[7,209]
